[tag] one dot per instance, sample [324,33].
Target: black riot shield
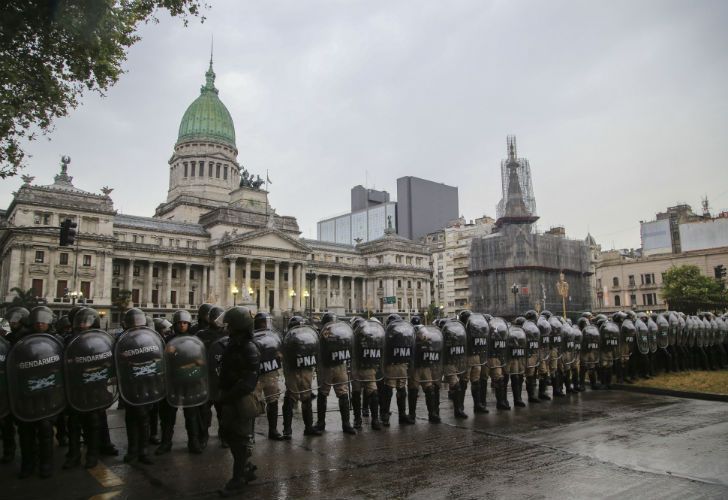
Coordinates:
[663,331]
[692,331]
[399,343]
[652,335]
[429,347]
[300,349]
[590,346]
[642,336]
[214,358]
[570,355]
[517,349]
[497,343]
[545,341]
[368,348]
[90,373]
[681,330]
[187,371]
[140,366]
[477,331]
[271,350]
[713,331]
[627,332]
[672,333]
[578,339]
[533,338]
[609,333]
[722,330]
[337,343]
[36,384]
[4,398]
[456,340]
[557,339]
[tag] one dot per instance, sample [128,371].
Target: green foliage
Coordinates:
[23,298]
[52,51]
[684,288]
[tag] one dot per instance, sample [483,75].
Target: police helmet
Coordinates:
[162,326]
[213,314]
[181,316]
[587,314]
[237,320]
[63,325]
[203,314]
[295,321]
[630,314]
[356,321]
[392,317]
[17,317]
[519,321]
[599,319]
[416,320]
[531,315]
[262,321]
[583,322]
[487,317]
[547,314]
[41,315]
[619,316]
[327,318]
[133,318]
[464,316]
[85,319]
[73,311]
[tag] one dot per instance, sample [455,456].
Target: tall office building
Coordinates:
[424,206]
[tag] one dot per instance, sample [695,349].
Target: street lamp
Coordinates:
[306,296]
[439,311]
[514,291]
[234,290]
[75,295]
[102,314]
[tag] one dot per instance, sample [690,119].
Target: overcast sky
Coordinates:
[621,107]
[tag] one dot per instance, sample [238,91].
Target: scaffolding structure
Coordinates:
[523,171]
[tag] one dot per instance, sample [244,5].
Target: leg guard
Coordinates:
[321,412]
[307,415]
[373,404]
[344,411]
[402,407]
[271,411]
[385,401]
[412,404]
[542,385]
[356,406]
[287,418]
[476,393]
[516,389]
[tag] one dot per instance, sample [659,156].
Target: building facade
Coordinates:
[424,206]
[214,239]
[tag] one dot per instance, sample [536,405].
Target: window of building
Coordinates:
[380,259]
[631,280]
[87,261]
[380,283]
[409,284]
[155,272]
[86,289]
[202,169]
[194,245]
[615,281]
[115,269]
[173,296]
[193,169]
[43,218]
[648,279]
[136,271]
[217,171]
[599,283]
[192,275]
[419,286]
[37,287]
[649,299]
[39,256]
[633,300]
[63,259]
[185,164]
[174,272]
[209,170]
[617,302]
[399,283]
[61,288]
[224,173]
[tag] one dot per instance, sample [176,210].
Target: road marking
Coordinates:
[105,477]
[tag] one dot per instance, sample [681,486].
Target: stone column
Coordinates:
[298,269]
[216,281]
[14,272]
[428,297]
[364,295]
[168,287]
[233,282]
[203,291]
[248,266]
[289,299]
[328,291]
[405,305]
[108,269]
[25,266]
[351,293]
[261,288]
[276,287]
[129,276]
[148,285]
[51,287]
[186,297]
[316,294]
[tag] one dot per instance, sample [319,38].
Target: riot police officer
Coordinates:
[203,319]
[590,345]
[181,323]
[239,369]
[366,369]
[455,363]
[609,334]
[627,331]
[210,336]
[535,366]
[17,321]
[271,360]
[476,327]
[498,361]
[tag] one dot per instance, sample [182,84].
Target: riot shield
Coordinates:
[399,343]
[627,332]
[652,335]
[545,341]
[672,333]
[692,331]
[578,339]
[533,338]
[722,330]
[214,358]
[271,350]
[497,345]
[609,333]
[337,342]
[456,340]
[187,371]
[90,374]
[569,355]
[368,346]
[590,347]
[36,384]
[556,341]
[140,366]
[301,351]
[681,330]
[429,347]
[642,337]
[663,328]
[713,331]
[4,398]
[477,331]
[517,349]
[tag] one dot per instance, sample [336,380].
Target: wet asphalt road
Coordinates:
[597,444]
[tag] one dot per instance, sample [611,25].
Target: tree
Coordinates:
[23,298]
[54,50]
[122,299]
[685,289]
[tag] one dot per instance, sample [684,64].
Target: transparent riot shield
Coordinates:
[642,337]
[399,345]
[663,329]
[187,372]
[681,330]
[518,350]
[369,340]
[557,340]
[713,331]
[497,343]
[693,330]
[90,372]
[35,377]
[672,333]
[4,397]
[544,347]
[140,366]
[301,352]
[214,359]
[533,337]
[578,339]
[569,355]
[652,334]
[270,346]
[609,333]
[455,338]
[477,330]
[337,343]
[429,346]
[627,332]
[590,347]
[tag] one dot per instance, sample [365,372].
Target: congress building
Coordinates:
[214,239]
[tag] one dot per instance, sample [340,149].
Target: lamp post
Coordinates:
[439,311]
[292,294]
[234,290]
[102,314]
[306,297]
[514,291]
[75,295]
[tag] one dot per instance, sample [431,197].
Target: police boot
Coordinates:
[344,411]
[412,405]
[166,445]
[307,415]
[576,377]
[356,407]
[501,395]
[607,378]
[373,404]
[272,414]
[106,447]
[404,419]
[321,412]
[619,371]
[517,389]
[132,439]
[436,402]
[154,424]
[193,436]
[365,403]
[459,401]
[45,448]
[385,402]
[143,440]
[73,457]
[238,481]
[531,390]
[287,418]
[430,403]
[92,441]
[556,385]
[62,430]
[542,385]
[28,450]
[476,393]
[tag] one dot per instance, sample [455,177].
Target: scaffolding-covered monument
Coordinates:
[516,268]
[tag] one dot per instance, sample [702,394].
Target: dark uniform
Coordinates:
[209,335]
[269,344]
[17,319]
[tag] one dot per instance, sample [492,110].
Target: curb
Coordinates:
[668,392]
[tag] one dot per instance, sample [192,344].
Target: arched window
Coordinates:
[617,302]
[615,281]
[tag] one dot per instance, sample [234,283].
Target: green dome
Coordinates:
[207,117]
